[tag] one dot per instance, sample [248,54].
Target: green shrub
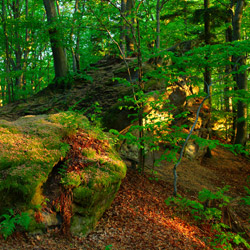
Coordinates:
[223,239]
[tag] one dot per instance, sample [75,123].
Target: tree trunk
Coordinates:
[228,107]
[241,77]
[142,105]
[123,28]
[207,73]
[77,55]
[129,34]
[73,52]
[228,99]
[158,27]
[207,32]
[60,60]
[7,54]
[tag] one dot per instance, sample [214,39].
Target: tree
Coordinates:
[240,76]
[207,38]
[60,59]
[7,54]
[130,46]
[123,27]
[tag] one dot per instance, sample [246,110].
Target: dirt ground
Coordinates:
[139,218]
[224,168]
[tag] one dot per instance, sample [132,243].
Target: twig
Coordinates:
[123,56]
[116,43]
[186,141]
[126,20]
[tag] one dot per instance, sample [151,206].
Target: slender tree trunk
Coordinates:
[18,52]
[141,111]
[77,48]
[123,28]
[159,6]
[72,34]
[227,99]
[207,31]
[241,77]
[60,60]
[7,54]
[158,27]
[77,55]
[58,8]
[129,34]
[207,69]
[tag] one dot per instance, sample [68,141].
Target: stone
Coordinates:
[32,150]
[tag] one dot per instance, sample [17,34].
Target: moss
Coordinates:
[29,149]
[71,180]
[70,121]
[99,185]
[89,153]
[38,197]
[34,226]
[90,206]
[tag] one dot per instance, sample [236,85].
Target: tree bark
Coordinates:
[7,54]
[228,104]
[129,34]
[73,52]
[207,33]
[60,60]
[123,28]
[158,27]
[241,77]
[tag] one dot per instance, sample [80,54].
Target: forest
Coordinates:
[124,124]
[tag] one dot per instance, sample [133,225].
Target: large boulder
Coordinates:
[44,158]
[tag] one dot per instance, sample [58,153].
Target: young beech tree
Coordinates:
[60,59]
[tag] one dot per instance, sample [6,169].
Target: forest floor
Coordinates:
[139,219]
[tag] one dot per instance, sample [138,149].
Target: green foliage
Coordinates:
[93,112]
[63,169]
[206,194]
[197,209]
[95,116]
[201,212]
[11,220]
[153,176]
[246,199]
[109,247]
[223,240]
[71,179]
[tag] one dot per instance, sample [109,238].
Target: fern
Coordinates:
[9,222]
[7,226]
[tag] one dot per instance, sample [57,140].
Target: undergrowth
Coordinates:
[208,209]
[10,220]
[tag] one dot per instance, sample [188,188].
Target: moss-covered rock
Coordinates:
[29,149]
[96,180]
[32,146]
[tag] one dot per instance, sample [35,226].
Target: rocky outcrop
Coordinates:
[60,169]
